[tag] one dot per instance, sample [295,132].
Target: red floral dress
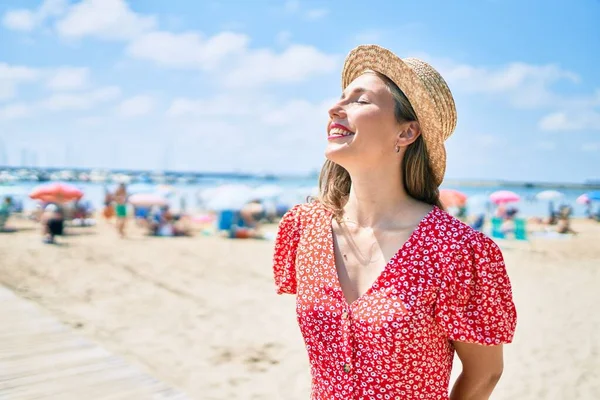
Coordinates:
[447,283]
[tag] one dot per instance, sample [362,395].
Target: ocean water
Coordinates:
[295,190]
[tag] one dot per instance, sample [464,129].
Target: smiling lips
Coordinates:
[338,131]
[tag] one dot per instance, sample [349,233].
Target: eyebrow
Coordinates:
[354,91]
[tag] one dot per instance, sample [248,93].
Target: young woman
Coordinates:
[120,198]
[388,285]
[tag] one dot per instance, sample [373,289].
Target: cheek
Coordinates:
[374,124]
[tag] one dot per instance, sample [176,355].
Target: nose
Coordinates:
[337,111]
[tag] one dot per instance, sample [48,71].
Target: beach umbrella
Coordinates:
[166,190]
[147,200]
[594,196]
[56,192]
[227,197]
[264,192]
[452,198]
[206,193]
[504,196]
[549,195]
[583,199]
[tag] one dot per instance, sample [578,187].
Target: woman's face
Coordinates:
[362,127]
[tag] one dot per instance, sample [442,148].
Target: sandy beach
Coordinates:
[201,313]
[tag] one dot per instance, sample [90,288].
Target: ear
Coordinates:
[409,132]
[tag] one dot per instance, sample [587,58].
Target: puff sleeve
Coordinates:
[284,258]
[475,303]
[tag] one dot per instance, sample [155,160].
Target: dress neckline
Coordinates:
[332,267]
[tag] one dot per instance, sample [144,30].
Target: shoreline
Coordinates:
[8,175]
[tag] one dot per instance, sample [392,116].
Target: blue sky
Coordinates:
[245,85]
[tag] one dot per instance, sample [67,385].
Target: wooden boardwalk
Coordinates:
[40,358]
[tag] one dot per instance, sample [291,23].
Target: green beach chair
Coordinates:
[497,228]
[520,229]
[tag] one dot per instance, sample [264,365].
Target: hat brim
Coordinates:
[378,59]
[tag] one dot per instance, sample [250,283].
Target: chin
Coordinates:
[338,154]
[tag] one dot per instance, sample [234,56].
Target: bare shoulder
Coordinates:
[416,214]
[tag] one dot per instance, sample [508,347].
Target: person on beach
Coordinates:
[108,211]
[563,224]
[5,210]
[120,198]
[248,221]
[252,213]
[52,220]
[388,285]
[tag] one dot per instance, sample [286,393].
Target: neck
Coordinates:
[375,198]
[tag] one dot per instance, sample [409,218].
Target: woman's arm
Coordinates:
[482,368]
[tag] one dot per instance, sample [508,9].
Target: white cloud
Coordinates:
[591,147]
[369,36]
[263,113]
[296,124]
[295,64]
[225,105]
[227,54]
[186,50]
[283,38]
[90,121]
[69,78]
[525,85]
[511,77]
[19,20]
[104,19]
[579,103]
[571,121]
[259,108]
[291,6]
[28,20]
[59,79]
[136,106]
[546,145]
[317,13]
[297,112]
[80,101]
[52,8]
[12,76]
[15,111]
[488,141]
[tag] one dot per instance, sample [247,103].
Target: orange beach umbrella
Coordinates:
[56,192]
[452,198]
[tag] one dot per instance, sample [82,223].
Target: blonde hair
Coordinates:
[417,174]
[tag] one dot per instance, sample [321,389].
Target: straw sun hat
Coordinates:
[424,87]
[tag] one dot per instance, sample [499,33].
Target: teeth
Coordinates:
[339,131]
